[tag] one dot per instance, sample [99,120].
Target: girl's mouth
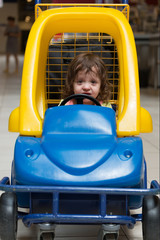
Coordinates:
[87,93]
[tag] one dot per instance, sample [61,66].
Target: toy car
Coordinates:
[81,163]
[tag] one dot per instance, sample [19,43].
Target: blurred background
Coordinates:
[144,20]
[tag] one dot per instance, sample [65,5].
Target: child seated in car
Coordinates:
[87,74]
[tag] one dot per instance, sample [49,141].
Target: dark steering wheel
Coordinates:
[79,98]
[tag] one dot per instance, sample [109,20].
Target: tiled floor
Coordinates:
[9,99]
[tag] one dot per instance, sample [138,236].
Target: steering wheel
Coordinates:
[79,98]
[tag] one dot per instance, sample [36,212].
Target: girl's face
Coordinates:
[87,83]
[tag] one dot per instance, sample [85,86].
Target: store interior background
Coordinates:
[144,20]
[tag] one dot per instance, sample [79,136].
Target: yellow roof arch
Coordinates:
[28,117]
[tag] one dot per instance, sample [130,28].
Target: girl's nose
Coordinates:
[86,86]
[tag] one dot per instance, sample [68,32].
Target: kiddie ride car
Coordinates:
[79,164]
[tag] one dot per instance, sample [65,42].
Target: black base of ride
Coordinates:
[151,218]
[8,216]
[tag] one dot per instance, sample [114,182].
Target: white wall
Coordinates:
[8,9]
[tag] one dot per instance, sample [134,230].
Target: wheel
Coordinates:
[111,236]
[8,216]
[151,217]
[79,98]
[47,236]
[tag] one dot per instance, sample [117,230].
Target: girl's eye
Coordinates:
[79,81]
[93,82]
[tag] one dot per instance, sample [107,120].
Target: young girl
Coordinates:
[87,75]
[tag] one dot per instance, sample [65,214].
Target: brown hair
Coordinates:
[10,18]
[86,61]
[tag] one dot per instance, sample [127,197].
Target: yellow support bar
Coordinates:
[45,6]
